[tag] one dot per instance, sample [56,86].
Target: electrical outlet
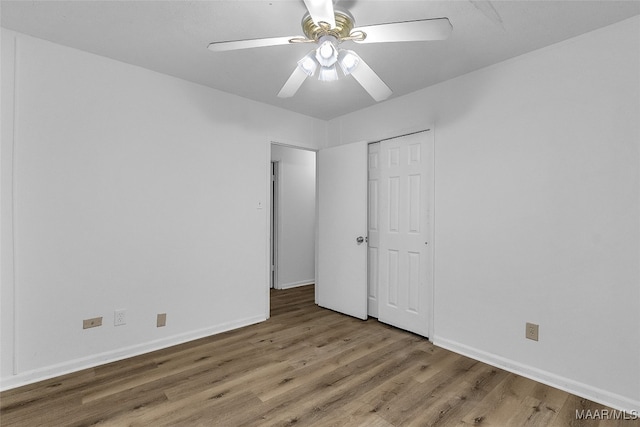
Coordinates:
[120,317]
[161,320]
[92,323]
[532,331]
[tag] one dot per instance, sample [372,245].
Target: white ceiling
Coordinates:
[171,37]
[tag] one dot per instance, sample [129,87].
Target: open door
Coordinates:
[341,268]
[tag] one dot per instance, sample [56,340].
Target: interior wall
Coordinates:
[296,215]
[127,189]
[537,210]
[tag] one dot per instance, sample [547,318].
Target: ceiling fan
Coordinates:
[328,28]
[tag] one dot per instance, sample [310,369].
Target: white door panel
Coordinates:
[341,275]
[404,256]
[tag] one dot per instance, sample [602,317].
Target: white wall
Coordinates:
[537,209]
[133,190]
[296,215]
[137,190]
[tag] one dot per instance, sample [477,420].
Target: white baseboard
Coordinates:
[613,400]
[28,377]
[296,284]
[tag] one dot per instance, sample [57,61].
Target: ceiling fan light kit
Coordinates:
[308,63]
[327,52]
[348,61]
[328,28]
[328,74]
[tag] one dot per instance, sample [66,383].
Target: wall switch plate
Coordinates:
[532,331]
[120,317]
[92,323]
[161,320]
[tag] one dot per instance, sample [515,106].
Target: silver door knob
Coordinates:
[359,240]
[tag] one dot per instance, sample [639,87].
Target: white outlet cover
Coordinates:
[120,317]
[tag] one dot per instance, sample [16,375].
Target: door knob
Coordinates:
[359,240]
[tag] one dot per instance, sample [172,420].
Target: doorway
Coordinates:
[293,216]
[343,259]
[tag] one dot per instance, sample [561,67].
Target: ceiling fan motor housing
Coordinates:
[344,25]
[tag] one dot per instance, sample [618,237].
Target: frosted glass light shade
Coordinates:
[348,61]
[327,53]
[328,74]
[308,64]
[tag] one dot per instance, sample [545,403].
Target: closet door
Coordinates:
[405,259]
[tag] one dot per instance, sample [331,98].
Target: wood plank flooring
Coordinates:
[305,366]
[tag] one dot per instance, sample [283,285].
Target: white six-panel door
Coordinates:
[400,230]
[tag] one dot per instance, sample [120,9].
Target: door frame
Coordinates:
[430,174]
[269,245]
[274,222]
[390,133]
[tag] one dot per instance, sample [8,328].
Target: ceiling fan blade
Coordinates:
[321,11]
[370,81]
[408,31]
[247,44]
[293,83]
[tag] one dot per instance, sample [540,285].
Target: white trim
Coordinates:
[595,394]
[79,364]
[14,335]
[296,284]
[267,206]
[276,221]
[431,285]
[291,145]
[316,235]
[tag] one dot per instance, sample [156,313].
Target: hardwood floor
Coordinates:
[305,366]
